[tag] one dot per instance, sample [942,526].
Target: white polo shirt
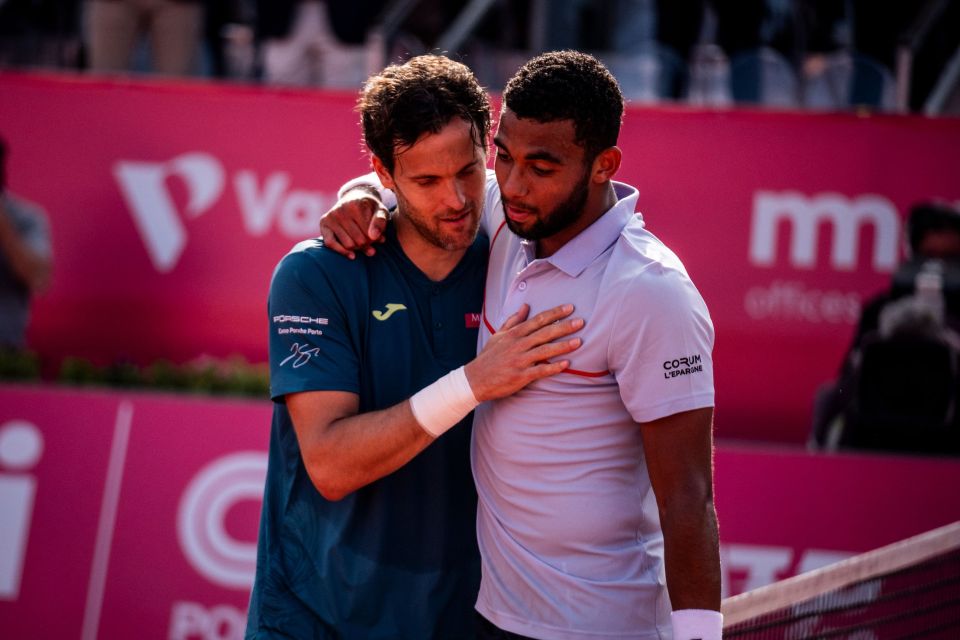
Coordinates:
[568,529]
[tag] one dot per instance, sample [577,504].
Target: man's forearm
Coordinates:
[692,556]
[351,452]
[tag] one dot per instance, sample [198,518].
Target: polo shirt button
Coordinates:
[522,286]
[436,291]
[439,325]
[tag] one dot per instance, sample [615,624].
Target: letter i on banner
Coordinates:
[21,446]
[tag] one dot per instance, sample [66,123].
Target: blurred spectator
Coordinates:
[115,29]
[853,47]
[40,33]
[312,42]
[25,260]
[728,44]
[901,368]
[227,24]
[932,233]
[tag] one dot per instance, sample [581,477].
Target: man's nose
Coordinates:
[454,196]
[513,185]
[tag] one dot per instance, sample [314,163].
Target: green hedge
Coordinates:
[230,376]
[19,365]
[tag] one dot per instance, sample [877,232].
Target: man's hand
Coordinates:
[520,351]
[355,222]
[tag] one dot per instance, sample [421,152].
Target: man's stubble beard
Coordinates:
[561,217]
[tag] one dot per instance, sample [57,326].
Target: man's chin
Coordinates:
[460,241]
[527,232]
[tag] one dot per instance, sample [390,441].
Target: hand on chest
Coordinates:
[543,287]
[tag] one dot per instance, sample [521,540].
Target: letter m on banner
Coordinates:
[806,216]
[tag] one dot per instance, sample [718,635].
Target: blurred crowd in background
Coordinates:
[892,55]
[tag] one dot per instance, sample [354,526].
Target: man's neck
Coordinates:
[598,203]
[435,262]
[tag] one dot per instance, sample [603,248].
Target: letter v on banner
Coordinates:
[143,185]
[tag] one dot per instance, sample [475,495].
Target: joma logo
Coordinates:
[807,214]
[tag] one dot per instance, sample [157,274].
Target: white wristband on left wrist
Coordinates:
[697,624]
[444,403]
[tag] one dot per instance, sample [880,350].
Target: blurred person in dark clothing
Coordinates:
[923,299]
[25,260]
[40,33]
[872,31]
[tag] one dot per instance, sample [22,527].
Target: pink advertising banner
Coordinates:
[132,516]
[135,515]
[171,203]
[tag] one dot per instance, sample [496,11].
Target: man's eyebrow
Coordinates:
[543,155]
[546,156]
[432,176]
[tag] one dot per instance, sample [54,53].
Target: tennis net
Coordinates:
[909,589]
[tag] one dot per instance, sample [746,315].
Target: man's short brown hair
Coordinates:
[403,102]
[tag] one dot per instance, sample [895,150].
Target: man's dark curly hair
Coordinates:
[423,95]
[569,85]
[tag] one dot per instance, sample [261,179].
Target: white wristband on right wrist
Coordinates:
[697,624]
[444,403]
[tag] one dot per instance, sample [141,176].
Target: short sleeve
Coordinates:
[661,352]
[311,343]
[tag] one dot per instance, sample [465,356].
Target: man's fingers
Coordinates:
[333,232]
[548,369]
[553,349]
[378,224]
[349,219]
[357,235]
[545,318]
[554,330]
[516,318]
[332,243]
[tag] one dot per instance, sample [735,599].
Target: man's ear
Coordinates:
[385,178]
[606,164]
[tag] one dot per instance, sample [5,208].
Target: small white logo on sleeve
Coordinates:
[308,330]
[300,319]
[300,355]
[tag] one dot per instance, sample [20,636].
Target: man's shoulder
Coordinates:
[312,264]
[642,254]
[642,268]
[312,253]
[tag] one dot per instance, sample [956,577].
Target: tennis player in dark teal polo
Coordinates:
[368,522]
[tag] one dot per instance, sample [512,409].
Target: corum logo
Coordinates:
[806,216]
[143,185]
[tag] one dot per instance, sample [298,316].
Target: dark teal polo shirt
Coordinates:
[397,558]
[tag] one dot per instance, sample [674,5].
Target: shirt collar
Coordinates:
[573,257]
